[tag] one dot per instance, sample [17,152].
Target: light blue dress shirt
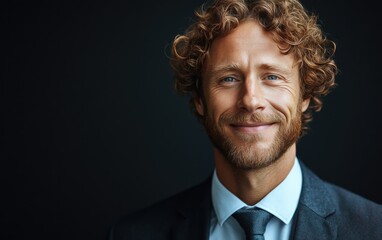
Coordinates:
[281,202]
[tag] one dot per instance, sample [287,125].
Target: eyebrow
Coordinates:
[276,67]
[224,68]
[235,68]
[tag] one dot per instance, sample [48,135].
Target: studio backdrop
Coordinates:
[93,129]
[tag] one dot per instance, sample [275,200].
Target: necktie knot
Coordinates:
[253,221]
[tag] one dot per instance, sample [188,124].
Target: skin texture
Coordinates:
[252,106]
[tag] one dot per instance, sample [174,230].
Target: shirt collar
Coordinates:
[281,201]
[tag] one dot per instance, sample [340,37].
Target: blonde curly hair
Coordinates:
[292,28]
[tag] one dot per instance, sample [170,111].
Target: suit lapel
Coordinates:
[315,214]
[194,214]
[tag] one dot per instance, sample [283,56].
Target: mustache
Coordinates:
[243,117]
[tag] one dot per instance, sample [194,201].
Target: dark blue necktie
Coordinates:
[253,221]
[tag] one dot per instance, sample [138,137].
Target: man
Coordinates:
[255,71]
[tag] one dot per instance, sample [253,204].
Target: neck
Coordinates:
[253,185]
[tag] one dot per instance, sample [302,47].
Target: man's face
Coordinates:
[251,100]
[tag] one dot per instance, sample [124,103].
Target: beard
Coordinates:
[246,155]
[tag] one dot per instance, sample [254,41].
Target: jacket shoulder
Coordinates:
[349,202]
[356,215]
[343,213]
[157,220]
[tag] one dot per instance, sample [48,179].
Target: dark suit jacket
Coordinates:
[325,211]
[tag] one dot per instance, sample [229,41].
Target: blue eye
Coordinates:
[229,79]
[272,77]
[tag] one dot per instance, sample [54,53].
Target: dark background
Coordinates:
[92,128]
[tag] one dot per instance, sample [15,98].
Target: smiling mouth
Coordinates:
[251,127]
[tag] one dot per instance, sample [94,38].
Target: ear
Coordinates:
[199,105]
[305,104]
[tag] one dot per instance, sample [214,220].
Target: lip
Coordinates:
[251,127]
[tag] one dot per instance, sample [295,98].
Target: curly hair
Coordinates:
[291,26]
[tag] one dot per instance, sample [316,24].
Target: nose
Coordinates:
[252,96]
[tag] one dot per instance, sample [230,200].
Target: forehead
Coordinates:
[247,33]
[247,44]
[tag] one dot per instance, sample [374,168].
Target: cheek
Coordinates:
[220,102]
[285,103]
